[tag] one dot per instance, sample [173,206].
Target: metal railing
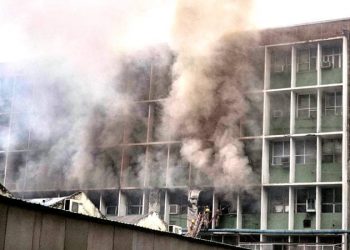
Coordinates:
[291,246]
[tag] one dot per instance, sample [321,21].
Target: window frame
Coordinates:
[311,54]
[333,108]
[334,153]
[278,57]
[310,108]
[334,203]
[310,194]
[283,203]
[284,154]
[306,154]
[330,54]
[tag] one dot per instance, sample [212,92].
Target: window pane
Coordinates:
[301,208]
[303,113]
[338,208]
[299,159]
[338,195]
[299,147]
[303,101]
[278,149]
[327,208]
[327,195]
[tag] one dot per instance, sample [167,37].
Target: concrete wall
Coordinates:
[30,226]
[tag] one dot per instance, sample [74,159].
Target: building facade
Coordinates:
[297,143]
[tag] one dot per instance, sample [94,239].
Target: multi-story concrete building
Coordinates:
[297,143]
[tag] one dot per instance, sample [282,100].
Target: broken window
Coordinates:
[305,151]
[331,200]
[306,106]
[331,150]
[280,153]
[157,164]
[178,202]
[333,103]
[278,200]
[305,200]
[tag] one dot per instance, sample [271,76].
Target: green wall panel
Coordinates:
[279,174]
[305,172]
[305,125]
[306,78]
[299,220]
[331,123]
[279,126]
[227,221]
[331,220]
[330,76]
[251,221]
[277,221]
[331,172]
[280,80]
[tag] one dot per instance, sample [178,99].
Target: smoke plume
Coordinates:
[214,44]
[75,53]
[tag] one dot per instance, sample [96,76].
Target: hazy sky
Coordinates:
[272,13]
[153,24]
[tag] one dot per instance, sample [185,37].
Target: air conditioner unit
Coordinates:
[174,209]
[310,206]
[285,161]
[174,229]
[71,205]
[326,65]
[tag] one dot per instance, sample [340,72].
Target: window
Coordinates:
[112,210]
[278,200]
[306,106]
[305,151]
[331,57]
[331,200]
[134,204]
[305,200]
[333,103]
[280,153]
[331,151]
[280,62]
[306,59]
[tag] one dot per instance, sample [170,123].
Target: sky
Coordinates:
[153,25]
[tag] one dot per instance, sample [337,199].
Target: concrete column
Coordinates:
[291,160]
[263,215]
[318,64]
[318,207]
[291,209]
[122,203]
[293,66]
[318,158]
[166,207]
[239,212]
[292,112]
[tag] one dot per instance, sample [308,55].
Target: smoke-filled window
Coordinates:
[178,170]
[305,200]
[6,90]
[278,200]
[332,103]
[306,106]
[157,164]
[280,61]
[4,130]
[19,131]
[134,203]
[280,152]
[305,151]
[133,169]
[136,127]
[331,151]
[306,59]
[15,174]
[331,200]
